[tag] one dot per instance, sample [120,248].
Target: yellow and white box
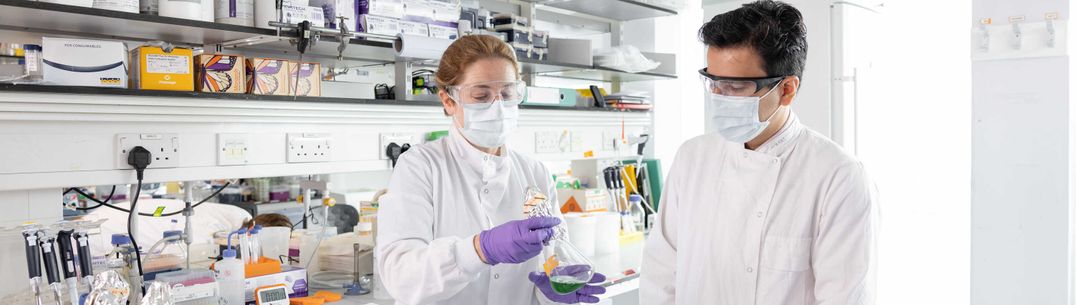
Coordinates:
[82,62]
[155,69]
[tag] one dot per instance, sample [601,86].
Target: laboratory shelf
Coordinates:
[609,75]
[35,16]
[250,97]
[620,10]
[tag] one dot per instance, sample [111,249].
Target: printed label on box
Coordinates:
[443,32]
[414,28]
[167,64]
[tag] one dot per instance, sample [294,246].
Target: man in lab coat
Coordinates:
[764,211]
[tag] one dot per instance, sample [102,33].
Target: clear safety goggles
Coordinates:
[737,86]
[511,93]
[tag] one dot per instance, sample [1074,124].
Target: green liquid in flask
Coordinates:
[565,284]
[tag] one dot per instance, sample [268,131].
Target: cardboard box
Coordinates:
[154,69]
[267,76]
[81,62]
[414,28]
[293,278]
[297,12]
[383,8]
[444,32]
[307,78]
[418,10]
[331,9]
[445,10]
[379,25]
[219,73]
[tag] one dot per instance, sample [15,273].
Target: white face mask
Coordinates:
[489,125]
[736,117]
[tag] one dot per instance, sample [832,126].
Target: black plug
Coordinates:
[405,148]
[393,151]
[139,158]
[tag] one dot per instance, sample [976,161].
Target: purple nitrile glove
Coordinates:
[587,294]
[516,241]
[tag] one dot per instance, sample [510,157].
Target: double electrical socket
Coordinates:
[399,139]
[309,147]
[552,142]
[163,147]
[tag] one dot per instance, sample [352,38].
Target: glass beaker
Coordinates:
[567,268]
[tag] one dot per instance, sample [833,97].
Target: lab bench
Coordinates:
[623,291]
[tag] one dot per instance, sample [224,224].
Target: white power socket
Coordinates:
[546,142]
[399,139]
[163,148]
[552,142]
[309,147]
[232,148]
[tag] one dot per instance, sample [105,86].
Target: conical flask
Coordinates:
[567,268]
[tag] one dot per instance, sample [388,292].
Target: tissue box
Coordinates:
[445,10]
[444,32]
[267,76]
[293,278]
[81,62]
[308,80]
[154,69]
[379,25]
[418,10]
[221,73]
[296,13]
[336,8]
[383,8]
[414,28]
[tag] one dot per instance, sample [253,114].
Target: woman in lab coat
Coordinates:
[451,228]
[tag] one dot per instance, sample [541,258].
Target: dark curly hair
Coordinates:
[774,29]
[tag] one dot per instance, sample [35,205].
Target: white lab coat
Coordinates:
[790,223]
[440,196]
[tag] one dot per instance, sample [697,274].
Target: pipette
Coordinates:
[33,258]
[67,263]
[48,253]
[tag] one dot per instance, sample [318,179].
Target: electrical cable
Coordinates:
[106,204]
[134,242]
[99,203]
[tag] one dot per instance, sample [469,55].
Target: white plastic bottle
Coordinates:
[229,274]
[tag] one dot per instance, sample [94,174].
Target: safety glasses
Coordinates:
[511,93]
[737,86]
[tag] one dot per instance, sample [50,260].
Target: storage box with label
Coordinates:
[81,62]
[379,25]
[418,10]
[297,12]
[221,73]
[307,78]
[153,68]
[267,76]
[414,28]
[383,8]
[445,10]
[444,32]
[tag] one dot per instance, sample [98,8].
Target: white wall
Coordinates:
[1021,170]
